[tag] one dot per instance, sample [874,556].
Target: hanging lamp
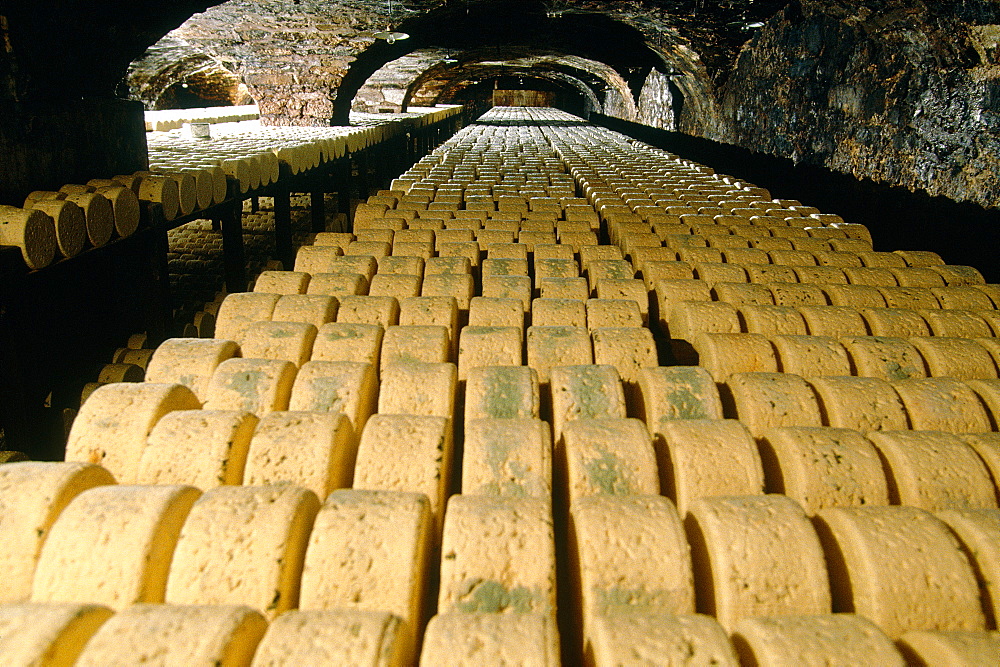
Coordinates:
[389,35]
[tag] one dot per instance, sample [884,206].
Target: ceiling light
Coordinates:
[391,36]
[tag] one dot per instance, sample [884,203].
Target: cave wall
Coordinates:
[903,92]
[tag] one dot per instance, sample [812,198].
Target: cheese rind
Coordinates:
[942,404]
[284,341]
[417,388]
[32,495]
[512,572]
[862,404]
[238,311]
[755,556]
[811,355]
[252,385]
[653,638]
[768,400]
[557,346]
[112,545]
[112,426]
[346,387]
[488,346]
[629,349]
[201,448]
[176,634]
[507,457]
[698,458]
[282,282]
[725,354]
[677,392]
[607,456]
[315,450]
[336,637]
[811,640]
[501,392]
[313,309]
[47,633]
[369,550]
[899,567]
[244,545]
[953,647]
[426,343]
[475,639]
[189,361]
[585,392]
[979,532]
[884,358]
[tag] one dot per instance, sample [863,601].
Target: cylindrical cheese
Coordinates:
[548,347]
[369,551]
[411,453]
[32,231]
[676,392]
[32,495]
[112,426]
[962,297]
[498,556]
[653,638]
[244,545]
[842,639]
[428,343]
[767,400]
[811,355]
[47,633]
[189,361]
[884,358]
[585,392]
[507,457]
[315,450]
[955,358]
[336,637]
[895,322]
[161,190]
[176,634]
[956,323]
[755,556]
[698,458]
[309,308]
[112,545]
[252,385]
[979,532]
[283,341]
[957,648]
[557,312]
[98,215]
[487,311]
[899,567]
[337,284]
[238,311]
[282,282]
[418,388]
[381,310]
[769,320]
[346,387]
[942,404]
[476,639]
[606,456]
[69,223]
[348,341]
[501,392]
[863,404]
[725,354]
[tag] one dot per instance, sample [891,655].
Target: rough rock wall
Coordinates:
[656,103]
[903,91]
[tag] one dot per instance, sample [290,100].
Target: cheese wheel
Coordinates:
[409,453]
[337,284]
[474,639]
[962,297]
[138,358]
[822,467]
[519,250]
[346,387]
[765,274]
[31,230]
[415,343]
[399,286]
[309,308]
[768,400]
[909,297]
[689,318]
[725,354]
[607,313]
[854,296]
[548,347]
[347,341]
[315,450]
[811,355]
[701,458]
[176,634]
[112,426]
[978,530]
[201,448]
[509,457]
[238,311]
[769,320]
[953,647]
[423,250]
[339,239]
[504,267]
[671,292]
[112,545]
[713,273]
[628,349]
[252,385]
[625,289]
[69,224]
[244,545]
[585,392]
[161,190]
[335,637]
[920,257]
[32,495]
[282,341]
[955,358]
[563,288]
[501,392]
[899,567]
[488,346]
[755,556]
[895,322]
[460,286]
[956,323]
[795,294]
[120,373]
[881,259]
[871,276]
[598,253]
[917,277]
[884,358]
[447,266]
[512,571]
[654,271]
[368,550]
[942,404]
[47,633]
[189,361]
[863,404]
[401,265]
[677,392]
[606,456]
[934,470]
[381,310]
[958,275]
[742,293]
[556,268]
[828,639]
[433,310]
[558,312]
[987,445]
[376,249]
[487,311]
[418,388]
[508,287]
[366,265]
[651,638]
[628,555]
